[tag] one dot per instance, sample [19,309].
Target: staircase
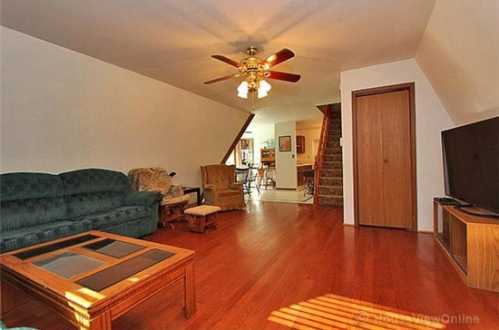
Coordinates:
[329,188]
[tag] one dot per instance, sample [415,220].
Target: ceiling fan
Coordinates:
[255,70]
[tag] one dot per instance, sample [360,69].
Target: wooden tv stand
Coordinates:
[471,243]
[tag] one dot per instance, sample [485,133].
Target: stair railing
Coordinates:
[319,158]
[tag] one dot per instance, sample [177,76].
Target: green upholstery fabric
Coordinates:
[29,212]
[20,186]
[93,190]
[94,180]
[37,207]
[144,198]
[117,216]
[28,199]
[136,228]
[27,236]
[83,204]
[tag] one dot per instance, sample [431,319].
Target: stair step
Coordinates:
[332,164]
[333,157]
[328,201]
[331,172]
[333,144]
[332,196]
[340,185]
[335,135]
[332,154]
[333,149]
[331,191]
[331,181]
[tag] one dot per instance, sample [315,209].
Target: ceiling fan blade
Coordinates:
[284,76]
[221,78]
[226,60]
[279,57]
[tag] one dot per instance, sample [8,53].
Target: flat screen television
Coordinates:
[471,164]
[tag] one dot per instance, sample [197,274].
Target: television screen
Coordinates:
[471,163]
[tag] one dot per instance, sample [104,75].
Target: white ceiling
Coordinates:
[172,40]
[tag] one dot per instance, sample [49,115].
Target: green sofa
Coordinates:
[38,207]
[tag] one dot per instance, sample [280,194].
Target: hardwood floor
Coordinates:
[275,255]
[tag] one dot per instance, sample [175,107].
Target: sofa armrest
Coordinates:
[143,198]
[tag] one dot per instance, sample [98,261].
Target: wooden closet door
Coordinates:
[384,163]
[370,160]
[397,164]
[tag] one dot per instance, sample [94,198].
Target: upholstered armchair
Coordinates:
[157,179]
[220,188]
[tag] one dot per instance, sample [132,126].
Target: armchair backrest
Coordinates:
[222,176]
[150,179]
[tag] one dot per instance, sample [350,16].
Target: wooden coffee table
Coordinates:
[94,277]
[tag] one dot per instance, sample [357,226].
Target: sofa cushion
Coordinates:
[134,228]
[117,216]
[19,238]
[94,180]
[90,203]
[15,186]
[16,214]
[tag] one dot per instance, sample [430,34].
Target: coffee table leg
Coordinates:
[101,322]
[189,294]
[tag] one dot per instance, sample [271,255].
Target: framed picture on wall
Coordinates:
[284,143]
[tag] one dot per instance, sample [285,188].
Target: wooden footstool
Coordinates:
[201,216]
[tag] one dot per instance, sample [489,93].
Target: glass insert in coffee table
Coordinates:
[94,260]
[114,248]
[68,264]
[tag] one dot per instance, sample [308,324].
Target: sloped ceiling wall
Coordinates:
[459,54]
[62,110]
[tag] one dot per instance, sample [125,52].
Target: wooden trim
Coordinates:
[427,232]
[238,137]
[324,108]
[412,109]
[326,121]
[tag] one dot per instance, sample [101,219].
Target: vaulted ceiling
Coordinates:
[459,54]
[172,40]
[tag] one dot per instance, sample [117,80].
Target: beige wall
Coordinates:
[261,133]
[459,53]
[285,162]
[431,118]
[311,130]
[62,110]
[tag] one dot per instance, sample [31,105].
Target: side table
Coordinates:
[197,190]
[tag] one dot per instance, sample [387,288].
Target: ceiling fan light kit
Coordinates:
[255,70]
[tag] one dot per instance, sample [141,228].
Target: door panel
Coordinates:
[370,160]
[383,159]
[397,169]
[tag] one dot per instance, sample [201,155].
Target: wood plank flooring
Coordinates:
[275,255]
